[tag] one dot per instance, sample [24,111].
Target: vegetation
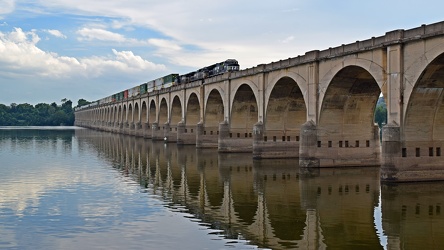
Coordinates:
[381,112]
[41,114]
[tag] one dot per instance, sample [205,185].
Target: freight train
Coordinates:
[169,81]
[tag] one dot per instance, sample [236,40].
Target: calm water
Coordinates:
[84,189]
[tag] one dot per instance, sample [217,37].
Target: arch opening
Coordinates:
[176,111]
[424,119]
[193,111]
[286,110]
[163,112]
[214,112]
[244,113]
[144,114]
[152,115]
[347,114]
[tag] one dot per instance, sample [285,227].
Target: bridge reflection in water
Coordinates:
[272,204]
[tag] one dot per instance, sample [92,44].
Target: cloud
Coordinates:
[288,39]
[101,34]
[20,56]
[56,33]
[90,34]
[6,6]
[165,45]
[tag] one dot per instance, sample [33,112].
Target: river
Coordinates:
[74,188]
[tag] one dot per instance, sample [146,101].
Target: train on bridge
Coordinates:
[169,81]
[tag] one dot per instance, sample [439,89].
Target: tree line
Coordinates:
[42,114]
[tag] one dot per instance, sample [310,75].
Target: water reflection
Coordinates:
[270,203]
[412,216]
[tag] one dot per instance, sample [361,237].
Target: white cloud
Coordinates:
[165,45]
[6,6]
[90,34]
[19,56]
[56,33]
[288,39]
[101,34]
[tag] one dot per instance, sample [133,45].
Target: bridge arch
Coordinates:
[130,114]
[136,116]
[244,111]
[176,111]
[119,114]
[115,114]
[144,113]
[214,109]
[424,115]
[192,117]
[300,81]
[285,107]
[377,72]
[152,118]
[348,106]
[163,112]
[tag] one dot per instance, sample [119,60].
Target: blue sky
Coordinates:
[55,49]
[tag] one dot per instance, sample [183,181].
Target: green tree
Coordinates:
[41,114]
[82,102]
[381,112]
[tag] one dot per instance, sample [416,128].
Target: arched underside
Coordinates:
[214,112]
[115,115]
[244,113]
[130,117]
[163,112]
[348,107]
[176,111]
[152,115]
[286,110]
[193,111]
[136,115]
[143,115]
[424,119]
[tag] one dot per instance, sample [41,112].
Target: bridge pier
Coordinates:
[405,161]
[307,150]
[169,133]
[314,152]
[186,135]
[263,147]
[230,141]
[132,128]
[206,137]
[157,133]
[146,127]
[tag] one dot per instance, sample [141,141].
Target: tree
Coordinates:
[41,115]
[82,102]
[381,112]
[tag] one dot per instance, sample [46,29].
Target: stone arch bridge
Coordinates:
[318,107]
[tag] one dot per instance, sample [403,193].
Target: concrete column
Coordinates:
[258,138]
[181,133]
[166,132]
[132,128]
[308,146]
[236,142]
[224,135]
[155,132]
[199,135]
[146,130]
[391,151]
[395,80]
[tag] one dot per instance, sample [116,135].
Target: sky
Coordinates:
[91,49]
